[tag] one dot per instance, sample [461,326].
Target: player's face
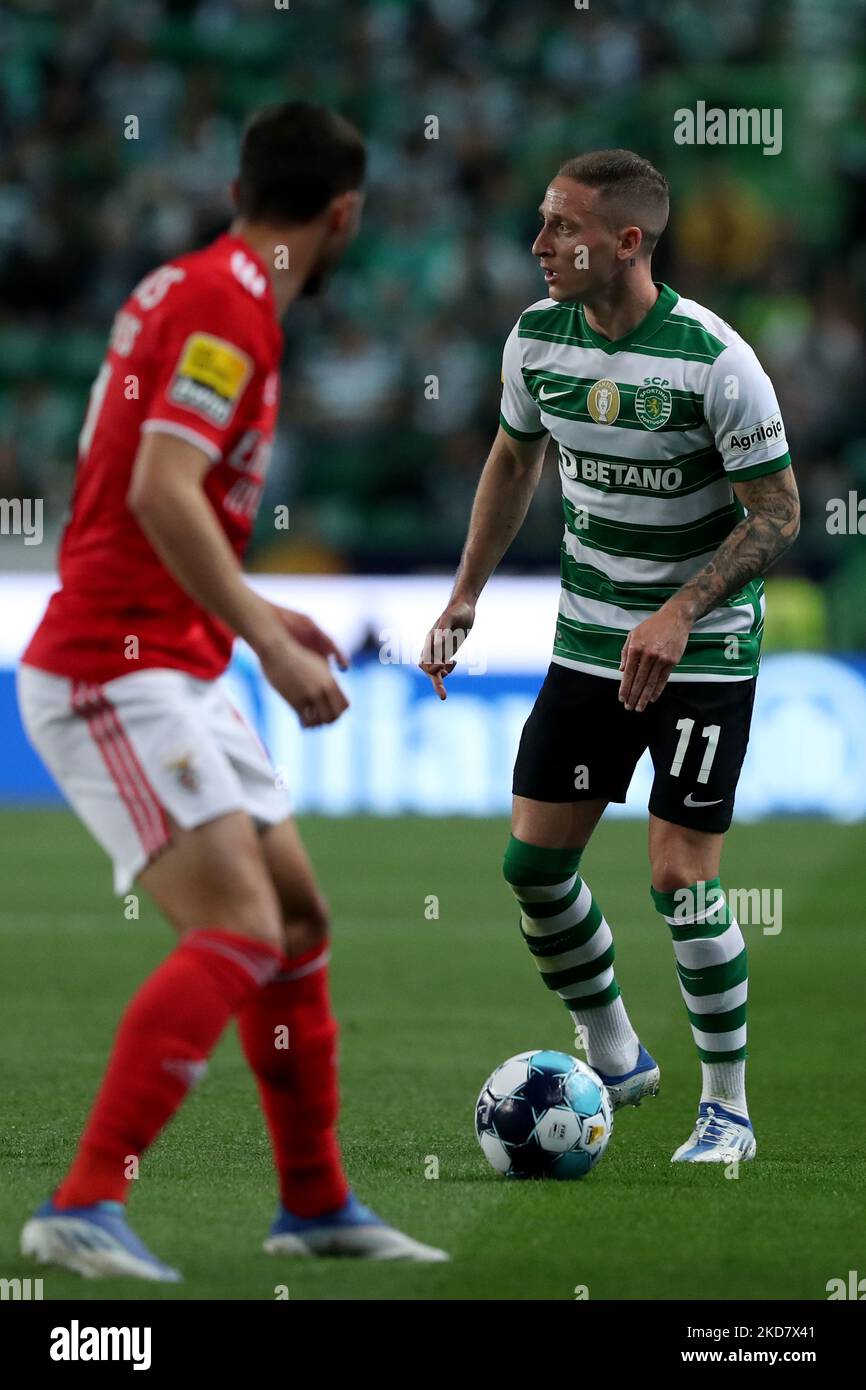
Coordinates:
[576,247]
[341,229]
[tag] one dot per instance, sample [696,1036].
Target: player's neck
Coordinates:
[288,254]
[617,311]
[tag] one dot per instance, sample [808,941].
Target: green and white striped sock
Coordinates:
[565,930]
[714,980]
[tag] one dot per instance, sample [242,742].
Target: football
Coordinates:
[543,1115]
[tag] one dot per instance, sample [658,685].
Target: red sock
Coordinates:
[298,1083]
[165,1037]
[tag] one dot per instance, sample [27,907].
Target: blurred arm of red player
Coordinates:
[166,496]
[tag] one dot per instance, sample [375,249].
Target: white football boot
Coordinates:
[351,1230]
[719,1136]
[633,1086]
[93,1241]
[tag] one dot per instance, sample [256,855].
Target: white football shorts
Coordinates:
[135,753]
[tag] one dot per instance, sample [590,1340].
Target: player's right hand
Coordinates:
[443,642]
[306,681]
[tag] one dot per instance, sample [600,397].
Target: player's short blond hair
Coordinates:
[633,190]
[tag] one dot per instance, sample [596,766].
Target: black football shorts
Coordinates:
[580,743]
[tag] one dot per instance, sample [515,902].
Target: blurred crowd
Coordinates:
[391,382]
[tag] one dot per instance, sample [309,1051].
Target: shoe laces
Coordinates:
[714,1129]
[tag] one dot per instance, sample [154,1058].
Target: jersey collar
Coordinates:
[648,325]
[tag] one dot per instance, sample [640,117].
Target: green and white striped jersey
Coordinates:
[651,430]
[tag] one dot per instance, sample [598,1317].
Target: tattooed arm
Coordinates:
[654,647]
[752,547]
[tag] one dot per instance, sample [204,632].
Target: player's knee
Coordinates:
[256,918]
[672,871]
[680,858]
[247,902]
[257,914]
[266,930]
[307,913]
[669,879]
[305,924]
[319,918]
[214,876]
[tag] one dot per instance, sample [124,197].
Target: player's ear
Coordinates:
[630,239]
[345,211]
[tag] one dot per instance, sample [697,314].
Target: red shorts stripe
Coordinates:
[118,754]
[138,795]
[85,702]
[162,828]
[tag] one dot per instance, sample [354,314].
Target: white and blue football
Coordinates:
[543,1115]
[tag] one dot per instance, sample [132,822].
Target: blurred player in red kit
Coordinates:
[119,694]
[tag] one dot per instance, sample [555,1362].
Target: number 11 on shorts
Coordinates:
[710,732]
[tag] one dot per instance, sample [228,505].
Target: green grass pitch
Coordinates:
[428,1008]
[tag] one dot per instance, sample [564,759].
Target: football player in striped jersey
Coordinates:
[678,495]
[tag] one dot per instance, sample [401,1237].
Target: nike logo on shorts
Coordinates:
[690,802]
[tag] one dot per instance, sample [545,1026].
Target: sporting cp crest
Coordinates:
[602,402]
[652,406]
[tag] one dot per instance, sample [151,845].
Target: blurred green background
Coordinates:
[379,478]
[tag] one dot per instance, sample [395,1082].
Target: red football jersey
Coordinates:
[193,352]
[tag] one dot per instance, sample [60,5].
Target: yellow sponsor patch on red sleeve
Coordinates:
[210,377]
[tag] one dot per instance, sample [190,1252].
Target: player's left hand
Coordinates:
[310,635]
[650,653]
